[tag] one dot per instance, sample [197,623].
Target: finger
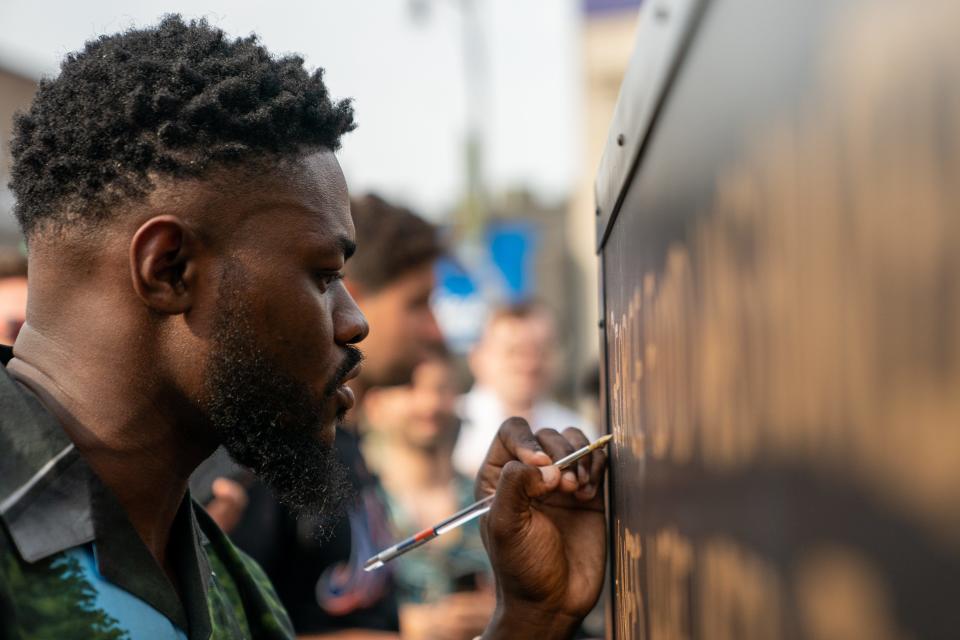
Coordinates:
[228,503]
[578,440]
[516,441]
[224,513]
[230,491]
[519,484]
[598,465]
[558,447]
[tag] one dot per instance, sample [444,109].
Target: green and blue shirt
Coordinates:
[73,566]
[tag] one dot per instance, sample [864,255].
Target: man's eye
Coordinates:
[326,279]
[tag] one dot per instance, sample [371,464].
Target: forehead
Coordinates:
[513,329]
[433,368]
[298,203]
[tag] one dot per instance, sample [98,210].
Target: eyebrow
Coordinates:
[346,245]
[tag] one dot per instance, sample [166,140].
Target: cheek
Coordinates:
[399,414]
[414,319]
[299,329]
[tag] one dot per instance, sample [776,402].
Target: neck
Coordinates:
[519,407]
[119,418]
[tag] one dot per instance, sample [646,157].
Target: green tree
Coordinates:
[53,599]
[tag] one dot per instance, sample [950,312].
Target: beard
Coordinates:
[267,420]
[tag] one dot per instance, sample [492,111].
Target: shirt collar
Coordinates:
[44,483]
[51,501]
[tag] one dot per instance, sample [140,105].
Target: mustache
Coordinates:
[352,357]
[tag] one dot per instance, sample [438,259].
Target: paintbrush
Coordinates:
[465,515]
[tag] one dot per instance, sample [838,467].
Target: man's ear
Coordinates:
[163,264]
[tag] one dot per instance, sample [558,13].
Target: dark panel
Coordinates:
[781,293]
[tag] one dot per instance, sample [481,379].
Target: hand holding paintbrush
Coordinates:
[474,511]
[545,529]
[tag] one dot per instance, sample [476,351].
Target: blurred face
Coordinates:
[282,333]
[515,358]
[13,307]
[404,327]
[423,413]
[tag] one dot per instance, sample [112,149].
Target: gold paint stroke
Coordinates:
[811,319]
[815,316]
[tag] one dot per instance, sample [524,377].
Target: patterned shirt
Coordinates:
[455,562]
[73,566]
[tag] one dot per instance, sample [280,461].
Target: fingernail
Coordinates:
[550,474]
[569,476]
[583,475]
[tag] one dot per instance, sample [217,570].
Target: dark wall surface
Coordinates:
[780,253]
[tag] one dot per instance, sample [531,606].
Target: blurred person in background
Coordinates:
[513,366]
[13,293]
[444,588]
[321,582]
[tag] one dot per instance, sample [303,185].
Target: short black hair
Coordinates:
[176,100]
[391,241]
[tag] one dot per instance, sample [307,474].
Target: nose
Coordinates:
[432,333]
[350,325]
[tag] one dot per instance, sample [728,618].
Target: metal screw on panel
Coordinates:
[661,13]
[597,211]
[620,140]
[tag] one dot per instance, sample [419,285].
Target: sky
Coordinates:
[402,62]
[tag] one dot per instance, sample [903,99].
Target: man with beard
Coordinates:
[187,225]
[320,579]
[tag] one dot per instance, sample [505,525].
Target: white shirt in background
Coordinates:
[482,414]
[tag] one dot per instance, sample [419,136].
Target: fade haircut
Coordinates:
[173,100]
[392,241]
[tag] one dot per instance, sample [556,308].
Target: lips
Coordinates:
[353,373]
[346,397]
[345,393]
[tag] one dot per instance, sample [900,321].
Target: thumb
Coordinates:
[518,484]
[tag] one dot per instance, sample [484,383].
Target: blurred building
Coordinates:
[520,253]
[18,83]
[608,32]
[525,248]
